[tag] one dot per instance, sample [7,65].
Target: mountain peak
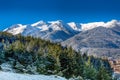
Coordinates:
[39,23]
[16,29]
[74,26]
[56,22]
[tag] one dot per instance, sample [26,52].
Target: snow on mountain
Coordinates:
[55,31]
[109,24]
[56,25]
[41,25]
[75,26]
[16,76]
[16,29]
[101,41]
[60,25]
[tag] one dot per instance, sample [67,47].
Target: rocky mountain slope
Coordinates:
[100,41]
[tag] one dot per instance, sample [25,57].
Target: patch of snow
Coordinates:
[116,75]
[109,24]
[6,67]
[55,22]
[88,26]
[39,23]
[74,26]
[19,28]
[112,23]
[16,76]
[56,25]
[5,29]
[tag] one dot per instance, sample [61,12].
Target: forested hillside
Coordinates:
[37,56]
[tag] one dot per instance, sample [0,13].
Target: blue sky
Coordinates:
[82,11]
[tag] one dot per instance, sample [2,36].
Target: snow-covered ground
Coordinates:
[116,75]
[16,76]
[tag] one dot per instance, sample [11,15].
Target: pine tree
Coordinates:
[89,71]
[103,74]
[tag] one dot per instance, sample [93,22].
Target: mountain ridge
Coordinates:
[57,31]
[100,41]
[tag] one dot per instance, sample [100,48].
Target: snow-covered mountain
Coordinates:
[57,31]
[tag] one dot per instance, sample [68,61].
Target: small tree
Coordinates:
[103,74]
[89,71]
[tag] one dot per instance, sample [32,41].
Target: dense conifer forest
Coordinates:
[37,56]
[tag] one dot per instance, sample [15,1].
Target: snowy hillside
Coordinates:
[16,76]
